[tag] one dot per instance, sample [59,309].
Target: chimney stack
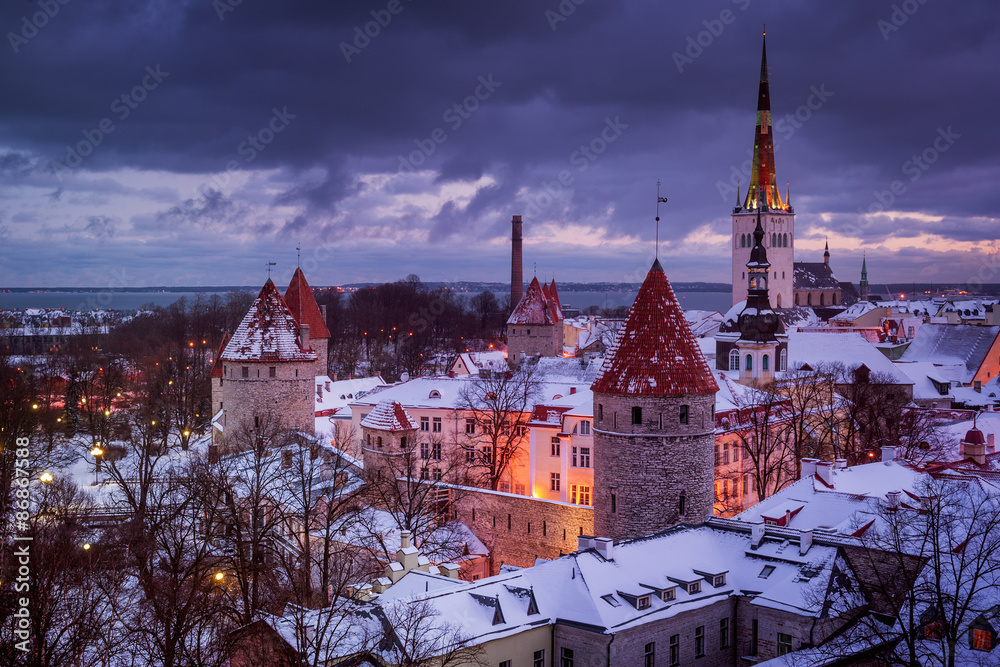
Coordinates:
[516,274]
[304,337]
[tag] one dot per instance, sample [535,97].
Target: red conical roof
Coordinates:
[533,308]
[217,362]
[300,301]
[655,353]
[268,332]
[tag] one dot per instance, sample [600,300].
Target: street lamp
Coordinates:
[97,452]
[45,477]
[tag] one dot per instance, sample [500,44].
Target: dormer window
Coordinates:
[642,602]
[668,595]
[434,394]
[694,587]
[719,580]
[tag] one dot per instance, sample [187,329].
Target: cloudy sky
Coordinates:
[189,142]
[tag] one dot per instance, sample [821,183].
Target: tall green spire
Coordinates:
[864,271]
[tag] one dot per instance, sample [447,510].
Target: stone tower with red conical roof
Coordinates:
[535,328]
[764,195]
[268,369]
[302,304]
[654,412]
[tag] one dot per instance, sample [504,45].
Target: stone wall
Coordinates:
[519,529]
[534,339]
[641,471]
[289,395]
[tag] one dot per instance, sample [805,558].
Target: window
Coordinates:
[783,361]
[272,371]
[505,663]
[566,659]
[749,363]
[539,659]
[683,415]
[600,413]
[642,602]
[766,572]
[682,503]
[425,450]
[585,427]
[580,494]
[694,587]
[378,442]
[723,633]
[555,481]
[765,363]
[520,430]
[720,579]
[718,459]
[573,458]
[436,451]
[470,426]
[246,371]
[734,360]
[487,455]
[437,425]
[649,655]
[425,473]
[470,454]
[753,637]
[725,453]
[784,643]
[981,639]
[614,503]
[585,457]
[436,474]
[699,641]
[425,424]
[637,415]
[555,446]
[402,442]
[668,595]
[675,650]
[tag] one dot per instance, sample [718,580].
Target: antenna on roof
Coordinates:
[269,265]
[659,200]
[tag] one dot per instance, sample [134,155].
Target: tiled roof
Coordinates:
[814,275]
[533,308]
[941,343]
[554,302]
[300,301]
[217,362]
[268,332]
[655,353]
[389,416]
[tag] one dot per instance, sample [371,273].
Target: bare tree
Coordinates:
[765,433]
[420,638]
[500,405]
[930,565]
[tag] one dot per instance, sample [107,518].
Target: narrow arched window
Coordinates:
[779,301]
[682,503]
[822,299]
[785,242]
[796,299]
[765,363]
[749,363]
[734,360]
[783,361]
[809,299]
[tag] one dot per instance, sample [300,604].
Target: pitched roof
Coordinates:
[302,304]
[944,343]
[655,353]
[533,308]
[814,275]
[389,416]
[554,302]
[268,332]
[217,362]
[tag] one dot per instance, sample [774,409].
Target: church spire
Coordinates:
[864,278]
[826,252]
[762,175]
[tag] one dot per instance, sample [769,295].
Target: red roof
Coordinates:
[556,305]
[268,332]
[533,308]
[217,362]
[389,416]
[300,300]
[655,353]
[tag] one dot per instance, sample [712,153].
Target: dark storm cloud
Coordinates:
[682,77]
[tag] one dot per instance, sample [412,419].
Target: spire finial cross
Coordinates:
[659,200]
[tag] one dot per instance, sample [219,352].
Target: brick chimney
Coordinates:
[304,337]
[516,273]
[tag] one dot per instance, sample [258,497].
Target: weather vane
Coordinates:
[659,200]
[298,255]
[269,265]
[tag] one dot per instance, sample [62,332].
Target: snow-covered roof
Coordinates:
[332,395]
[268,332]
[850,349]
[927,376]
[655,353]
[534,307]
[389,415]
[855,311]
[814,275]
[948,343]
[477,361]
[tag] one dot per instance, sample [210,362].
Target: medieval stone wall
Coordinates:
[641,471]
[289,395]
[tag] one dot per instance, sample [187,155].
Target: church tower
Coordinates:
[864,279]
[763,196]
[654,408]
[760,353]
